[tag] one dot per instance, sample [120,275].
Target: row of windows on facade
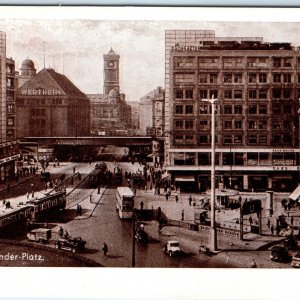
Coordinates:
[256,124]
[237,78]
[277,93]
[252,62]
[255,109]
[238,159]
[8,151]
[54,101]
[10,83]
[238,139]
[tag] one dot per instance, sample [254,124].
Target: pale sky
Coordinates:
[76,47]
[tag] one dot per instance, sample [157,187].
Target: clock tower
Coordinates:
[111,72]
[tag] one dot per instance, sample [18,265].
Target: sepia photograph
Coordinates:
[149,143]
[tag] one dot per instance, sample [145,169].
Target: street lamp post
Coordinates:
[133,239]
[213,231]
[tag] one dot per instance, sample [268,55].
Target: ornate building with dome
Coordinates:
[110,114]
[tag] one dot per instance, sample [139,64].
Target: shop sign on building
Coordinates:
[42,92]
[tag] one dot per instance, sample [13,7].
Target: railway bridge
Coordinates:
[85,148]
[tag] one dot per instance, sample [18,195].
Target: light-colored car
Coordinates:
[41,235]
[172,248]
[296,260]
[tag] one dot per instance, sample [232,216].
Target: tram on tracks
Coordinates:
[43,206]
[15,216]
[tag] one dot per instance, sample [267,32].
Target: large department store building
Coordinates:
[257,85]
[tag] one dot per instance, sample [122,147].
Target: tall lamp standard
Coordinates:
[213,231]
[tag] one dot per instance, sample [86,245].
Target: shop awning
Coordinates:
[185,178]
[295,194]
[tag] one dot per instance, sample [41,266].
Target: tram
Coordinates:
[42,206]
[14,217]
[18,216]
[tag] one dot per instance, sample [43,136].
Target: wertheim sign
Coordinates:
[42,92]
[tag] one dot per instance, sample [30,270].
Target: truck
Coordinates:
[40,235]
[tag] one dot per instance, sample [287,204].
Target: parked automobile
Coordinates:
[290,242]
[296,260]
[41,235]
[71,244]
[279,253]
[172,248]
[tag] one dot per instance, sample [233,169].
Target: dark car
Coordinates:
[71,244]
[45,176]
[141,236]
[279,253]
[290,242]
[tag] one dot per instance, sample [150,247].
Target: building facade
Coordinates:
[49,104]
[110,113]
[135,121]
[158,108]
[9,148]
[257,87]
[3,117]
[151,113]
[11,86]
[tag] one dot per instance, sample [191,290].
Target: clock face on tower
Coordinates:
[111,64]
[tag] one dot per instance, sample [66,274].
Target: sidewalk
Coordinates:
[240,252]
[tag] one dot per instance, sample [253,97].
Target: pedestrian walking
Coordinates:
[253,264]
[190,200]
[159,228]
[277,230]
[272,229]
[250,220]
[268,223]
[105,249]
[182,215]
[167,196]
[176,198]
[78,210]
[292,220]
[60,232]
[142,205]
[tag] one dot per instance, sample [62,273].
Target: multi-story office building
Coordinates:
[257,87]
[3,118]
[151,112]
[135,122]
[10,99]
[110,114]
[9,148]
